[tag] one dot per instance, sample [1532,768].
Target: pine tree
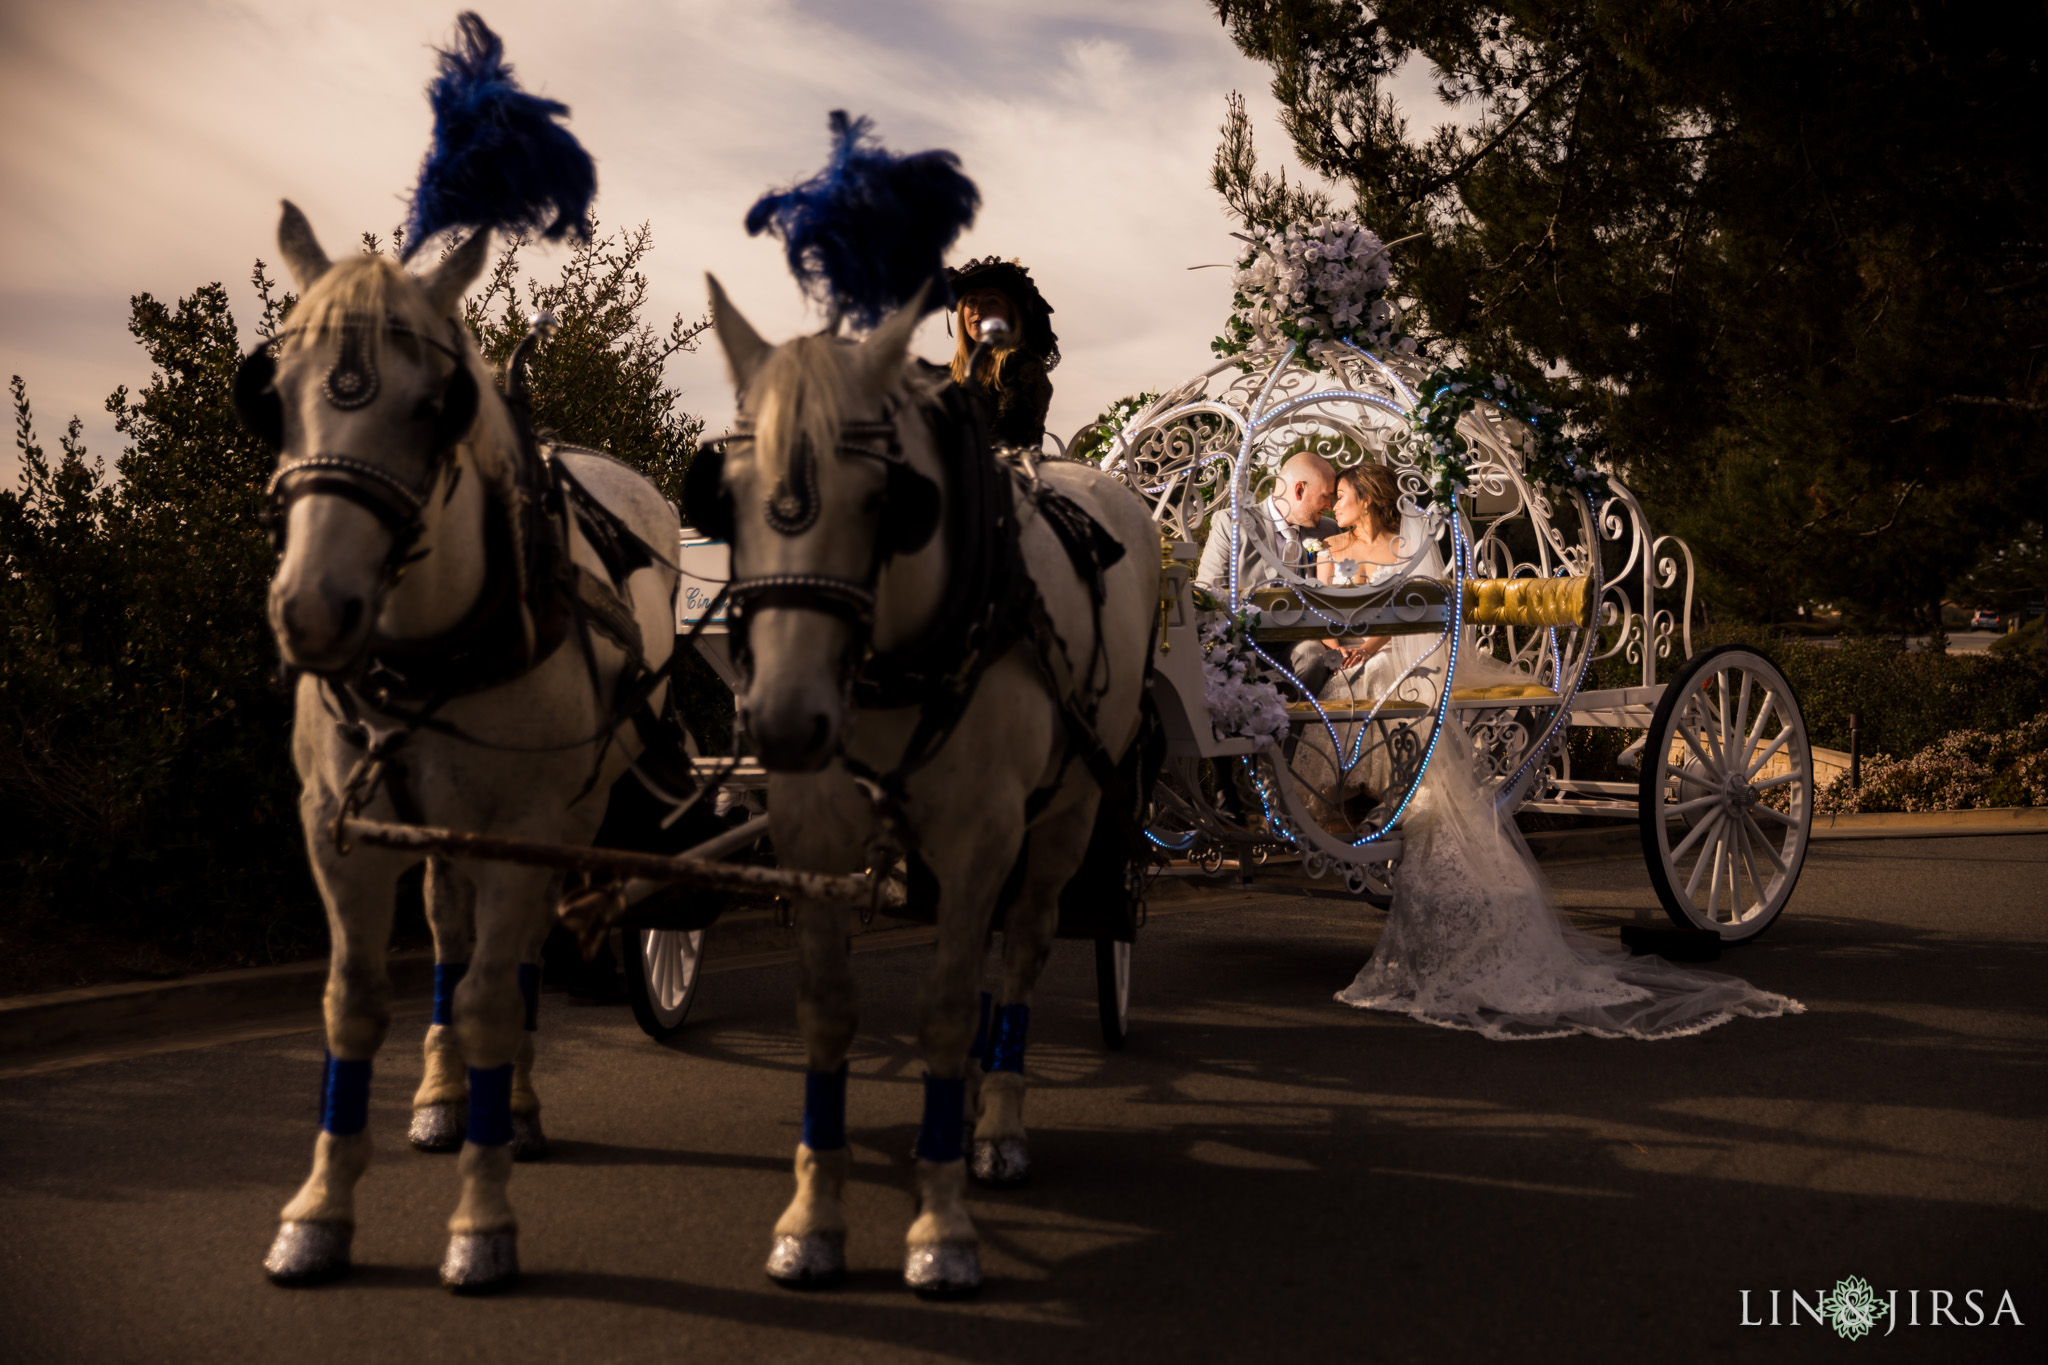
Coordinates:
[1787,263]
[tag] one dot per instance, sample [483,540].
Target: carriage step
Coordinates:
[1673,945]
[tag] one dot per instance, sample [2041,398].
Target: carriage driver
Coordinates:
[1012,376]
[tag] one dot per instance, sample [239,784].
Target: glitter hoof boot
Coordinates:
[308,1253]
[1002,1163]
[479,1262]
[813,1261]
[946,1270]
[529,1143]
[437,1127]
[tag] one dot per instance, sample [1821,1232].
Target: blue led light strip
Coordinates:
[1443,699]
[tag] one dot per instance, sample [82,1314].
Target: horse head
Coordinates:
[364,396]
[829,493]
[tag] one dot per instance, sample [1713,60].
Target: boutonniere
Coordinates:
[1312,545]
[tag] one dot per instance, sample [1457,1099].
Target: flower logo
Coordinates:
[1852,1308]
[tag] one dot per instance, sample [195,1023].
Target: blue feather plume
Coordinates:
[499,159]
[865,232]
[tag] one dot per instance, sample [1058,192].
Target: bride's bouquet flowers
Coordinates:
[1314,284]
[1242,704]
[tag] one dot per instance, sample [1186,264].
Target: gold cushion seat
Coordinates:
[1300,711]
[1504,692]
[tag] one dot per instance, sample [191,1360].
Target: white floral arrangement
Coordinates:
[1110,423]
[1314,284]
[1242,704]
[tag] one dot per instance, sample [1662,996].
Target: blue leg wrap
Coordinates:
[529,986]
[945,1107]
[1006,1048]
[345,1096]
[825,1109]
[446,974]
[980,1048]
[490,1105]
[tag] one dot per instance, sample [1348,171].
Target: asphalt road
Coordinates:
[1261,1174]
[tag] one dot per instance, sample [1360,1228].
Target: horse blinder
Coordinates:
[707,505]
[257,404]
[458,408]
[910,511]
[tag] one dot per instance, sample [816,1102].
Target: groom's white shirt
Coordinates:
[1213,572]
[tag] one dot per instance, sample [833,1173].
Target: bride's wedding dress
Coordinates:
[1473,939]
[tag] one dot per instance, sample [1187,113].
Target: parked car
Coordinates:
[1983,620]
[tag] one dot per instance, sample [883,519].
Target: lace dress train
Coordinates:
[1474,941]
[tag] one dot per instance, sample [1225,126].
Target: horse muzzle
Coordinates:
[321,628]
[793,709]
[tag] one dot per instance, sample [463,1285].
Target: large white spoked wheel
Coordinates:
[1113,990]
[661,977]
[1726,801]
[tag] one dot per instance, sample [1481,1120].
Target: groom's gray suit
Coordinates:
[1311,661]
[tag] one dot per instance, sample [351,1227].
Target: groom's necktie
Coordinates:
[1290,546]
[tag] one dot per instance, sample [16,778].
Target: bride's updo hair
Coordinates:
[1374,484]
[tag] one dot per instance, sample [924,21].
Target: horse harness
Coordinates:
[534,593]
[991,601]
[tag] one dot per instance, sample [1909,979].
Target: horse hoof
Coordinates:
[437,1127]
[947,1270]
[479,1262]
[817,1261]
[529,1143]
[307,1253]
[1004,1163]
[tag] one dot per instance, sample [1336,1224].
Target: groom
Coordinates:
[1295,509]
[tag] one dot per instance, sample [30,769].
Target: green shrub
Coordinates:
[1963,770]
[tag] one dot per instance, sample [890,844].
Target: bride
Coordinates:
[1474,939]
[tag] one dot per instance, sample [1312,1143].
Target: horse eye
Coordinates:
[426,410]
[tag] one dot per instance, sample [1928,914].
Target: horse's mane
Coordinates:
[805,391]
[366,286]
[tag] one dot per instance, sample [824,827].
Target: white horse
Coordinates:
[827,496]
[443,678]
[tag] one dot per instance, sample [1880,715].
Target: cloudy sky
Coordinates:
[150,141]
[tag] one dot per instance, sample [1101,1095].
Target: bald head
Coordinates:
[1307,484]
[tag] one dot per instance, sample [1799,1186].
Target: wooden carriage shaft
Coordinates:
[617,862]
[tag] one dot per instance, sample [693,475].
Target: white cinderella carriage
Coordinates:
[1506,595]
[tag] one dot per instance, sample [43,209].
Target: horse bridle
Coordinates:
[352,382]
[793,508]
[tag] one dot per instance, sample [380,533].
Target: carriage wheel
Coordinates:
[661,977]
[1726,801]
[1113,990]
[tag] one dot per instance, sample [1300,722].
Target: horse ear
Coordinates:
[300,249]
[452,278]
[744,348]
[881,355]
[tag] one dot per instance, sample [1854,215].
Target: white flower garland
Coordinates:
[1314,283]
[1242,704]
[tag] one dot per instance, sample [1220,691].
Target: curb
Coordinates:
[1933,824]
[57,1023]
